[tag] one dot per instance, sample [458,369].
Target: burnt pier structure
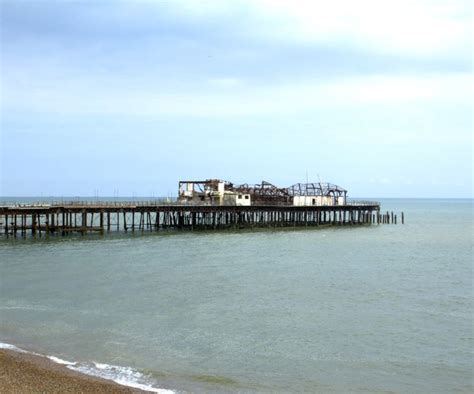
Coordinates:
[102,217]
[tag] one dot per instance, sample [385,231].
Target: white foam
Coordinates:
[124,376]
[58,360]
[11,347]
[17,349]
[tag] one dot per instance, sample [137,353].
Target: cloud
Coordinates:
[413,27]
[417,27]
[225,82]
[216,58]
[226,96]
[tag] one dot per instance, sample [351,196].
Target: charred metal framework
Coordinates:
[316,189]
[211,190]
[335,193]
[265,192]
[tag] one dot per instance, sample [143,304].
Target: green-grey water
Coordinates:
[370,309]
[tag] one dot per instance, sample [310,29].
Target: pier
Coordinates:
[212,204]
[102,217]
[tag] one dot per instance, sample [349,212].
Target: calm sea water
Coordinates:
[372,309]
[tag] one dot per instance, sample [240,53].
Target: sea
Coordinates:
[362,309]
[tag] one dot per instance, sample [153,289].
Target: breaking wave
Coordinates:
[124,376]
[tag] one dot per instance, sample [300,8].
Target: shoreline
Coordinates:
[23,372]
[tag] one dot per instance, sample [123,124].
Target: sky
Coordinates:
[105,98]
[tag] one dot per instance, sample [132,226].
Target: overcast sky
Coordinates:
[104,97]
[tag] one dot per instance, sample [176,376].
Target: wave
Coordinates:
[58,360]
[12,347]
[124,376]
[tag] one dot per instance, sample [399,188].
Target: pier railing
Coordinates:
[155,202]
[362,202]
[89,203]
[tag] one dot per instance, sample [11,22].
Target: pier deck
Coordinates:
[84,217]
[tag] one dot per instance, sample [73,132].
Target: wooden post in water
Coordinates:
[92,221]
[403,219]
[83,221]
[33,224]
[47,223]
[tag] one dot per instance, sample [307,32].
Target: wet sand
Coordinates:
[27,373]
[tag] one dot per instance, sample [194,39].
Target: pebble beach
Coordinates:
[28,373]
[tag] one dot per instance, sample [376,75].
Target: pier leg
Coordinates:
[84,222]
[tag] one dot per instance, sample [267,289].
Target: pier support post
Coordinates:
[84,221]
